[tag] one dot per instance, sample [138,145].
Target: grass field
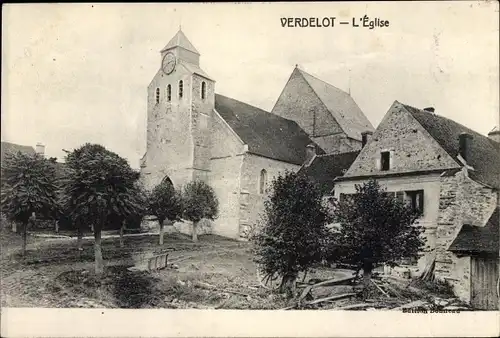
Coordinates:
[213,273]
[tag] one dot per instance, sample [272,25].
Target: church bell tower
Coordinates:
[180,107]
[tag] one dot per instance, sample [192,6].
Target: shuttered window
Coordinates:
[416,200]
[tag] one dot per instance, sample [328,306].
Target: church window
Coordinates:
[157,95]
[181,87]
[263,181]
[203,90]
[169,93]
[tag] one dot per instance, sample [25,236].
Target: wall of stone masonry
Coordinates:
[412,146]
[462,201]
[251,201]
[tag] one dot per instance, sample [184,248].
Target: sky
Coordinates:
[77,73]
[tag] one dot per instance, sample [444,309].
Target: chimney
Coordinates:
[494,135]
[310,152]
[40,148]
[464,146]
[365,138]
[429,109]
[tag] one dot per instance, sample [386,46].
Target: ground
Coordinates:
[215,273]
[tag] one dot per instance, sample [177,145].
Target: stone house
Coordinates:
[447,171]
[8,147]
[194,133]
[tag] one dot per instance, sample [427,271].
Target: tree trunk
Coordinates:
[122,230]
[24,229]
[162,232]
[99,263]
[288,284]
[195,231]
[57,227]
[79,239]
[367,276]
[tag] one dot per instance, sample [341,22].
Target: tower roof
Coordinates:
[180,40]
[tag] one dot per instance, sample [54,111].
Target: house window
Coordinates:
[169,93]
[415,199]
[385,160]
[203,90]
[157,95]
[181,87]
[263,181]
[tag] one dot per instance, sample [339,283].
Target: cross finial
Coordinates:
[296,65]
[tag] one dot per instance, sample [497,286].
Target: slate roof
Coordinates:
[180,40]
[195,69]
[474,239]
[485,153]
[325,168]
[266,134]
[8,147]
[341,105]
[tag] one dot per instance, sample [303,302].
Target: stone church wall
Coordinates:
[251,201]
[299,103]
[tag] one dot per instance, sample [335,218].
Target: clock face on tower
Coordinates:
[168,63]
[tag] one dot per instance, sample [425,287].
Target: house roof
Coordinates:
[485,153]
[8,147]
[180,40]
[325,168]
[341,105]
[266,134]
[474,239]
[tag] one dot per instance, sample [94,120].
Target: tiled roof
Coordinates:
[341,105]
[474,239]
[8,147]
[485,153]
[180,40]
[265,134]
[325,168]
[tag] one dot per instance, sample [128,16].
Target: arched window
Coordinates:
[157,95]
[181,87]
[203,90]
[169,93]
[263,181]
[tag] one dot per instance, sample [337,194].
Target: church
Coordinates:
[194,133]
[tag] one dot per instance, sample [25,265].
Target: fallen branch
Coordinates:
[378,287]
[336,297]
[204,285]
[410,305]
[394,291]
[355,306]
[329,282]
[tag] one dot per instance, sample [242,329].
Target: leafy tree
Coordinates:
[199,202]
[29,188]
[100,187]
[292,233]
[376,228]
[165,203]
